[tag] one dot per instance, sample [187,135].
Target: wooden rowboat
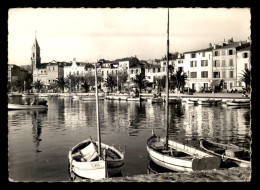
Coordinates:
[238,103]
[25,107]
[180,157]
[84,161]
[134,99]
[227,152]
[192,101]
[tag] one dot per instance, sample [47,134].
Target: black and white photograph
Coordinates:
[129,94]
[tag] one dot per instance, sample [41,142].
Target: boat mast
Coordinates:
[97,111]
[167,86]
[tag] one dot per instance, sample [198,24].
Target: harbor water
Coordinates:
[39,140]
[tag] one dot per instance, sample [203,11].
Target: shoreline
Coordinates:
[235,174]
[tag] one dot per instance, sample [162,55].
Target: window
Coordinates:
[193,64]
[216,75]
[164,63]
[107,72]
[163,69]
[203,54]
[204,63]
[231,74]
[204,74]
[231,85]
[77,72]
[231,62]
[216,53]
[223,52]
[112,72]
[245,55]
[223,63]
[116,71]
[41,71]
[225,85]
[136,71]
[193,55]
[102,73]
[33,55]
[158,70]
[216,63]
[223,74]
[246,67]
[230,52]
[53,68]
[193,74]
[153,70]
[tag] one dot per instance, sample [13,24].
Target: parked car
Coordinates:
[187,90]
[239,89]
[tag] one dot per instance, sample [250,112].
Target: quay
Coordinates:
[234,174]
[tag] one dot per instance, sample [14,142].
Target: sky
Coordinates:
[89,34]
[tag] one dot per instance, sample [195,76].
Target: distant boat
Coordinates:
[25,107]
[91,98]
[28,95]
[227,152]
[192,101]
[239,103]
[134,99]
[206,102]
[43,95]
[76,97]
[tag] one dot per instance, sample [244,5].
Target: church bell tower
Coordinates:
[35,56]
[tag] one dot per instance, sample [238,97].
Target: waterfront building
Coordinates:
[225,65]
[152,72]
[243,62]
[74,68]
[198,66]
[16,73]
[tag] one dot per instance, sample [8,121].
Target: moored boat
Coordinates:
[91,98]
[227,152]
[239,103]
[138,99]
[180,157]
[175,100]
[206,101]
[25,107]
[192,101]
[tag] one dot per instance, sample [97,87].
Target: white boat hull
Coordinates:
[196,159]
[91,98]
[25,107]
[155,100]
[95,170]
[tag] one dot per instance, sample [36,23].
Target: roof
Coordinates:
[244,48]
[201,50]
[232,45]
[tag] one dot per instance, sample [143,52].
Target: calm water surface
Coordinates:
[39,141]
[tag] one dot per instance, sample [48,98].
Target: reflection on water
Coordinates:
[39,141]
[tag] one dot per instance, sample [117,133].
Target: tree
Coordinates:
[72,82]
[28,81]
[178,79]
[38,85]
[246,78]
[122,78]
[18,84]
[110,82]
[9,86]
[140,81]
[60,83]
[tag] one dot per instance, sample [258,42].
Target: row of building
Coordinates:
[224,61]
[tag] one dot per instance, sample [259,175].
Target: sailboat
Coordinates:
[92,159]
[174,155]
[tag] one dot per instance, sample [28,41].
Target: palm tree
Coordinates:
[61,83]
[122,78]
[178,79]
[38,85]
[246,78]
[140,81]
[28,81]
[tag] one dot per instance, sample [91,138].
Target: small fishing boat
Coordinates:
[76,97]
[25,107]
[227,152]
[28,95]
[179,157]
[206,101]
[91,98]
[192,101]
[239,103]
[137,99]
